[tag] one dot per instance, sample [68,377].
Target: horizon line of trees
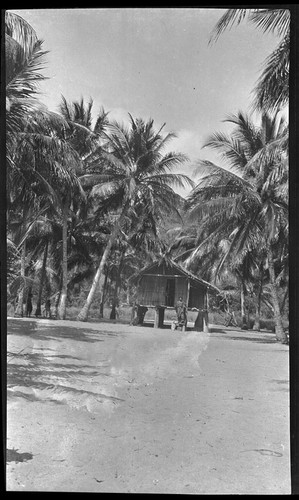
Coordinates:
[91,202]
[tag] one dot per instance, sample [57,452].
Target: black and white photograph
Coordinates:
[147,250]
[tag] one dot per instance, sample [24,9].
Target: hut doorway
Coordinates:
[170,292]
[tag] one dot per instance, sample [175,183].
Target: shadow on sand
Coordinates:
[233,333]
[50,330]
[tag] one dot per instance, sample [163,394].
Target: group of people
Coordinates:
[29,307]
[138,313]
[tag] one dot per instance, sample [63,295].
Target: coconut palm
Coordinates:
[24,61]
[133,170]
[43,170]
[82,139]
[35,143]
[29,124]
[69,194]
[272,89]
[246,202]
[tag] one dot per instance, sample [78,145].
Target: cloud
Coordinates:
[188,142]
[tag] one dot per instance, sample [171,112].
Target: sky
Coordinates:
[153,63]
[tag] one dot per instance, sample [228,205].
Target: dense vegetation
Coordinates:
[90,201]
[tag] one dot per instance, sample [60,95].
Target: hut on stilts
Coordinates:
[160,286]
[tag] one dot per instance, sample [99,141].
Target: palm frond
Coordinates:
[106,191]
[118,135]
[272,89]
[230,18]
[232,149]
[172,180]
[213,175]
[101,121]
[223,206]
[24,79]
[22,32]
[276,21]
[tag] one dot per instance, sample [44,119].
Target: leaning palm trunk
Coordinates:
[284,300]
[104,289]
[63,295]
[115,295]
[83,315]
[20,307]
[38,311]
[279,330]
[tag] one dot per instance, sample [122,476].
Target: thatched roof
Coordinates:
[170,264]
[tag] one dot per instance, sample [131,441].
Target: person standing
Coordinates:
[181,312]
[29,305]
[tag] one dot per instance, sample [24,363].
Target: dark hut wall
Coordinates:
[152,291]
[181,289]
[196,297]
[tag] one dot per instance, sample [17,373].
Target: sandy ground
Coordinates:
[114,408]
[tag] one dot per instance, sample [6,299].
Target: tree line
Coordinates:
[91,200]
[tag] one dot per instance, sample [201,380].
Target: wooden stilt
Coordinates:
[159,317]
[206,328]
[156,321]
[187,305]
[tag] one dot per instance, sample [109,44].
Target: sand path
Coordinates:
[107,407]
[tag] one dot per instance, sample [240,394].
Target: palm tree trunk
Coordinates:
[38,311]
[128,293]
[83,315]
[257,319]
[115,295]
[103,295]
[63,295]
[20,307]
[284,300]
[257,323]
[279,331]
[243,308]
[57,300]
[268,304]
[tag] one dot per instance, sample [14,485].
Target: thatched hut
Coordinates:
[162,283]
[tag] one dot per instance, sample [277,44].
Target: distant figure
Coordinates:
[224,306]
[181,312]
[231,319]
[48,308]
[134,312]
[114,314]
[29,305]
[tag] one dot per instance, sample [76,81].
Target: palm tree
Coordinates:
[83,140]
[272,89]
[132,171]
[83,135]
[43,170]
[24,60]
[41,158]
[246,203]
